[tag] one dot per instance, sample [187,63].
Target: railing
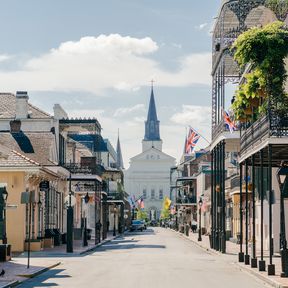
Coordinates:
[84,187]
[235,181]
[273,125]
[114,195]
[186,200]
[78,168]
[219,129]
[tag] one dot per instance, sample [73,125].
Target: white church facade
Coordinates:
[149,173]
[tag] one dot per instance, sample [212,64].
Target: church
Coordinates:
[149,173]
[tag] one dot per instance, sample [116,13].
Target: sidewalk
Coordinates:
[16,270]
[232,250]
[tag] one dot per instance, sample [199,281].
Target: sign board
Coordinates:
[28,197]
[67,199]
[44,185]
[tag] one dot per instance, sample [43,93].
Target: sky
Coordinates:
[97,59]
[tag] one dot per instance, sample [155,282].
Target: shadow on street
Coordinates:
[51,274]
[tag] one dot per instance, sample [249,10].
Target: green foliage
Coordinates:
[165,213]
[141,214]
[265,49]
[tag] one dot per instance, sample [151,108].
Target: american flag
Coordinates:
[191,141]
[229,123]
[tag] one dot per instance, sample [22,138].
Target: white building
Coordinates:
[149,172]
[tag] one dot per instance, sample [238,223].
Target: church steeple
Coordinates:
[119,163]
[152,124]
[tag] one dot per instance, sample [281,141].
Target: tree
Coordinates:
[265,49]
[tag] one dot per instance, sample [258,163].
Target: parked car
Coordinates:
[145,224]
[137,225]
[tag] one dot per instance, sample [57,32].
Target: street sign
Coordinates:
[67,199]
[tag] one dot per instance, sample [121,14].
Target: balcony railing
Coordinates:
[273,125]
[114,195]
[218,129]
[78,168]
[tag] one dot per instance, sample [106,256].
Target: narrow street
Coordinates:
[154,258]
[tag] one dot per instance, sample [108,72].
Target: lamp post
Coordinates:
[69,245]
[114,227]
[4,196]
[200,228]
[283,183]
[85,240]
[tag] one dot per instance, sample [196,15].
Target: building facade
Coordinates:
[149,173]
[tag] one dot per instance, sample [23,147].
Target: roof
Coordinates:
[38,147]
[15,159]
[94,142]
[8,108]
[152,124]
[120,163]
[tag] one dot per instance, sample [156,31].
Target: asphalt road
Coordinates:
[155,258]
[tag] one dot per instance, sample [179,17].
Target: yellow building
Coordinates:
[21,174]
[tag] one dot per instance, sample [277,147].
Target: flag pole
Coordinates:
[200,135]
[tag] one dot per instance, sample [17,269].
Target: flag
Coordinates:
[229,123]
[192,140]
[131,201]
[167,203]
[140,203]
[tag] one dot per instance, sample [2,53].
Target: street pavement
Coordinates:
[154,258]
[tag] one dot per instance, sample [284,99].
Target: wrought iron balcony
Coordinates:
[235,182]
[78,168]
[114,195]
[273,125]
[220,128]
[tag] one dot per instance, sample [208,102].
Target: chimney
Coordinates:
[59,112]
[21,105]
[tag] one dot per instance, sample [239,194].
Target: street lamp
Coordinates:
[283,183]
[200,228]
[70,216]
[4,196]
[114,227]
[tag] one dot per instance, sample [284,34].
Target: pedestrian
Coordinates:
[194,226]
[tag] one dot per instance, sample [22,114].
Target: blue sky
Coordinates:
[96,58]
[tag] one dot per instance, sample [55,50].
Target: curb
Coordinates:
[11,284]
[39,272]
[99,244]
[263,278]
[269,281]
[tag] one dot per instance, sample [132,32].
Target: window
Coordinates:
[152,194]
[144,194]
[161,194]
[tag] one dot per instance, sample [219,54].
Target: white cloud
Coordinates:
[192,114]
[201,26]
[126,110]
[198,117]
[5,57]
[93,64]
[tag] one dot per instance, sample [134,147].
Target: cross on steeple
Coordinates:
[152,83]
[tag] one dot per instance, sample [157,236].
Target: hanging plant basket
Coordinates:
[248,111]
[262,93]
[254,102]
